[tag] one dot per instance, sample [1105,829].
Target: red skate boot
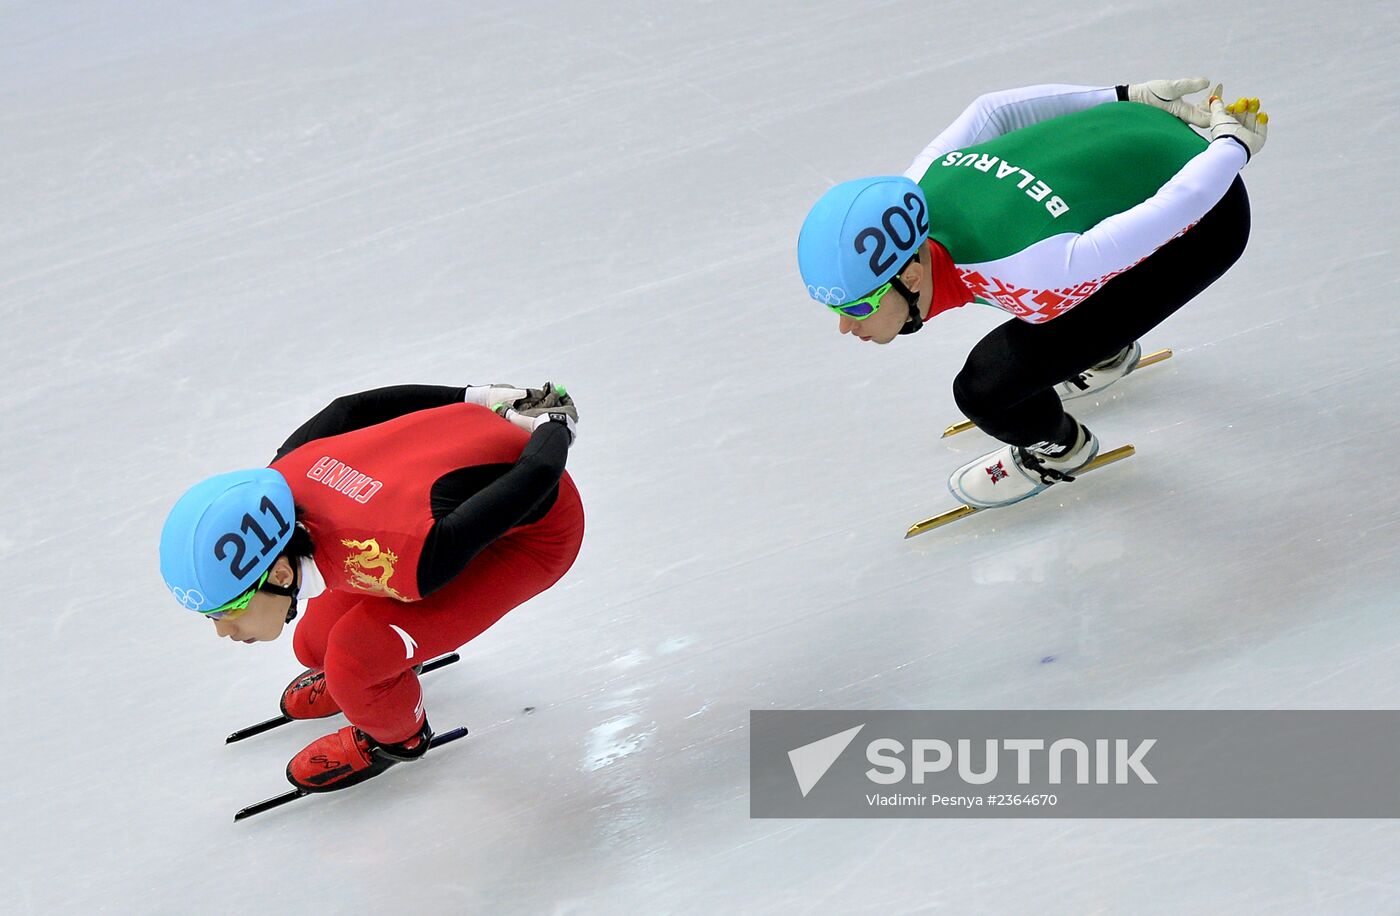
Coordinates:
[306,697]
[349,757]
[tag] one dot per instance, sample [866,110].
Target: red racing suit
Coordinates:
[386,505]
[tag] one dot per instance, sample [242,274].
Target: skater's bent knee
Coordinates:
[978,394]
[369,659]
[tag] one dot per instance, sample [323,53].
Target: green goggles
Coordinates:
[237,605]
[862,308]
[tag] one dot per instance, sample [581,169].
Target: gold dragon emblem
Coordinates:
[362,565]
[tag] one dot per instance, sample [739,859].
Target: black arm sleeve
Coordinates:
[356,411]
[461,534]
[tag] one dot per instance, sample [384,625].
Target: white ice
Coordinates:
[218,216]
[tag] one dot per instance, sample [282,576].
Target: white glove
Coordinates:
[1241,120]
[1167,95]
[491,395]
[530,424]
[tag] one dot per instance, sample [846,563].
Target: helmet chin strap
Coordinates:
[288,591]
[915,321]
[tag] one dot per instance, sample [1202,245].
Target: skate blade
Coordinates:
[952,515]
[963,426]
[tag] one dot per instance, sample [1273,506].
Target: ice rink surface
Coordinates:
[217,217]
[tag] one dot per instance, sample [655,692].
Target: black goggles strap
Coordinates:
[288,591]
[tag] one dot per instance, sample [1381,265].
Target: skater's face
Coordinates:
[266,614]
[884,325]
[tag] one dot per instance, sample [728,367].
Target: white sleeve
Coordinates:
[1124,239]
[997,113]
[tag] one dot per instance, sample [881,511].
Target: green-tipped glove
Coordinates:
[550,404]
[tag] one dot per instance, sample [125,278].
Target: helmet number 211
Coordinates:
[240,547]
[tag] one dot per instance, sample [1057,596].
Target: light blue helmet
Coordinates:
[858,235]
[223,534]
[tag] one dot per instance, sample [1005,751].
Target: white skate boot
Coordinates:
[1097,378]
[1011,473]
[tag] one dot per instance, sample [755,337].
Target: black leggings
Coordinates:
[476,505]
[1007,386]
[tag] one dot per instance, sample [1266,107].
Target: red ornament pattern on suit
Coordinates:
[1038,305]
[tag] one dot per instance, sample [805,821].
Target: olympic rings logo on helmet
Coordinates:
[827,296]
[193,599]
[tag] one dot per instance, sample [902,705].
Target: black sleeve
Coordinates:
[356,411]
[495,509]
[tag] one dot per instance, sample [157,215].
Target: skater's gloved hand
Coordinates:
[550,397]
[1167,95]
[491,395]
[532,423]
[550,404]
[1241,121]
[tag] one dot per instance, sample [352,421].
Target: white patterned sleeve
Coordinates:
[1124,239]
[997,113]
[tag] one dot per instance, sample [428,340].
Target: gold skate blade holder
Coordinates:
[952,515]
[1150,359]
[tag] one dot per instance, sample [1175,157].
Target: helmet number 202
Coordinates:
[898,227]
[239,546]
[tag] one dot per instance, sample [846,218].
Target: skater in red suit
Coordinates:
[409,520]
